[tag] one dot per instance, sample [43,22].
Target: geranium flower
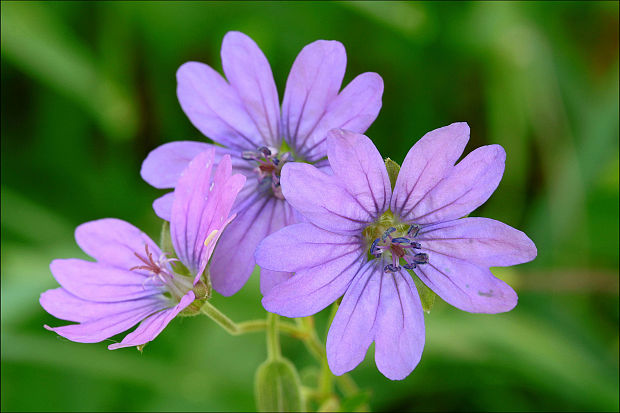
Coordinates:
[132,280]
[244,115]
[362,238]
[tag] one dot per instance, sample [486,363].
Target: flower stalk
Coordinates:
[273,337]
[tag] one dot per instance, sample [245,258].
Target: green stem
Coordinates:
[273,337]
[310,338]
[316,348]
[250,326]
[220,318]
[303,330]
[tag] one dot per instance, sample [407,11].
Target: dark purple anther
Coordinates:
[415,229]
[421,258]
[387,233]
[400,247]
[391,268]
[373,248]
[265,151]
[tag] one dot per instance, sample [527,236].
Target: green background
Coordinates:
[89,89]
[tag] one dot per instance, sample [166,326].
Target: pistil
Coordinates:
[399,247]
[269,165]
[177,286]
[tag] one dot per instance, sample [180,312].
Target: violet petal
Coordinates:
[269,279]
[354,109]
[427,163]
[304,245]
[233,259]
[334,210]
[482,241]
[163,206]
[163,165]
[100,282]
[202,204]
[312,84]
[357,163]
[312,289]
[470,183]
[214,107]
[66,306]
[150,327]
[399,330]
[114,242]
[99,329]
[466,286]
[352,330]
[249,74]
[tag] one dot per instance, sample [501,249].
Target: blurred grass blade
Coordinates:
[36,41]
[406,17]
[32,221]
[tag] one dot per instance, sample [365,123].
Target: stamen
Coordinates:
[269,165]
[387,233]
[391,268]
[415,229]
[421,258]
[373,247]
[265,151]
[400,247]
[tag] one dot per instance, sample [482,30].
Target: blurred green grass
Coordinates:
[88,89]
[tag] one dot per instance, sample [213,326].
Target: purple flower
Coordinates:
[243,114]
[132,280]
[362,237]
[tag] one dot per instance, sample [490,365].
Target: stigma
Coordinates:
[399,247]
[161,275]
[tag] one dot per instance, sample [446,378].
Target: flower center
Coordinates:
[396,242]
[269,163]
[177,285]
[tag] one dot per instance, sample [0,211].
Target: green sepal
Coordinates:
[193,309]
[427,296]
[392,169]
[165,244]
[277,387]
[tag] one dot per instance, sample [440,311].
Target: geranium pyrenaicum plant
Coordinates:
[363,238]
[132,280]
[244,115]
